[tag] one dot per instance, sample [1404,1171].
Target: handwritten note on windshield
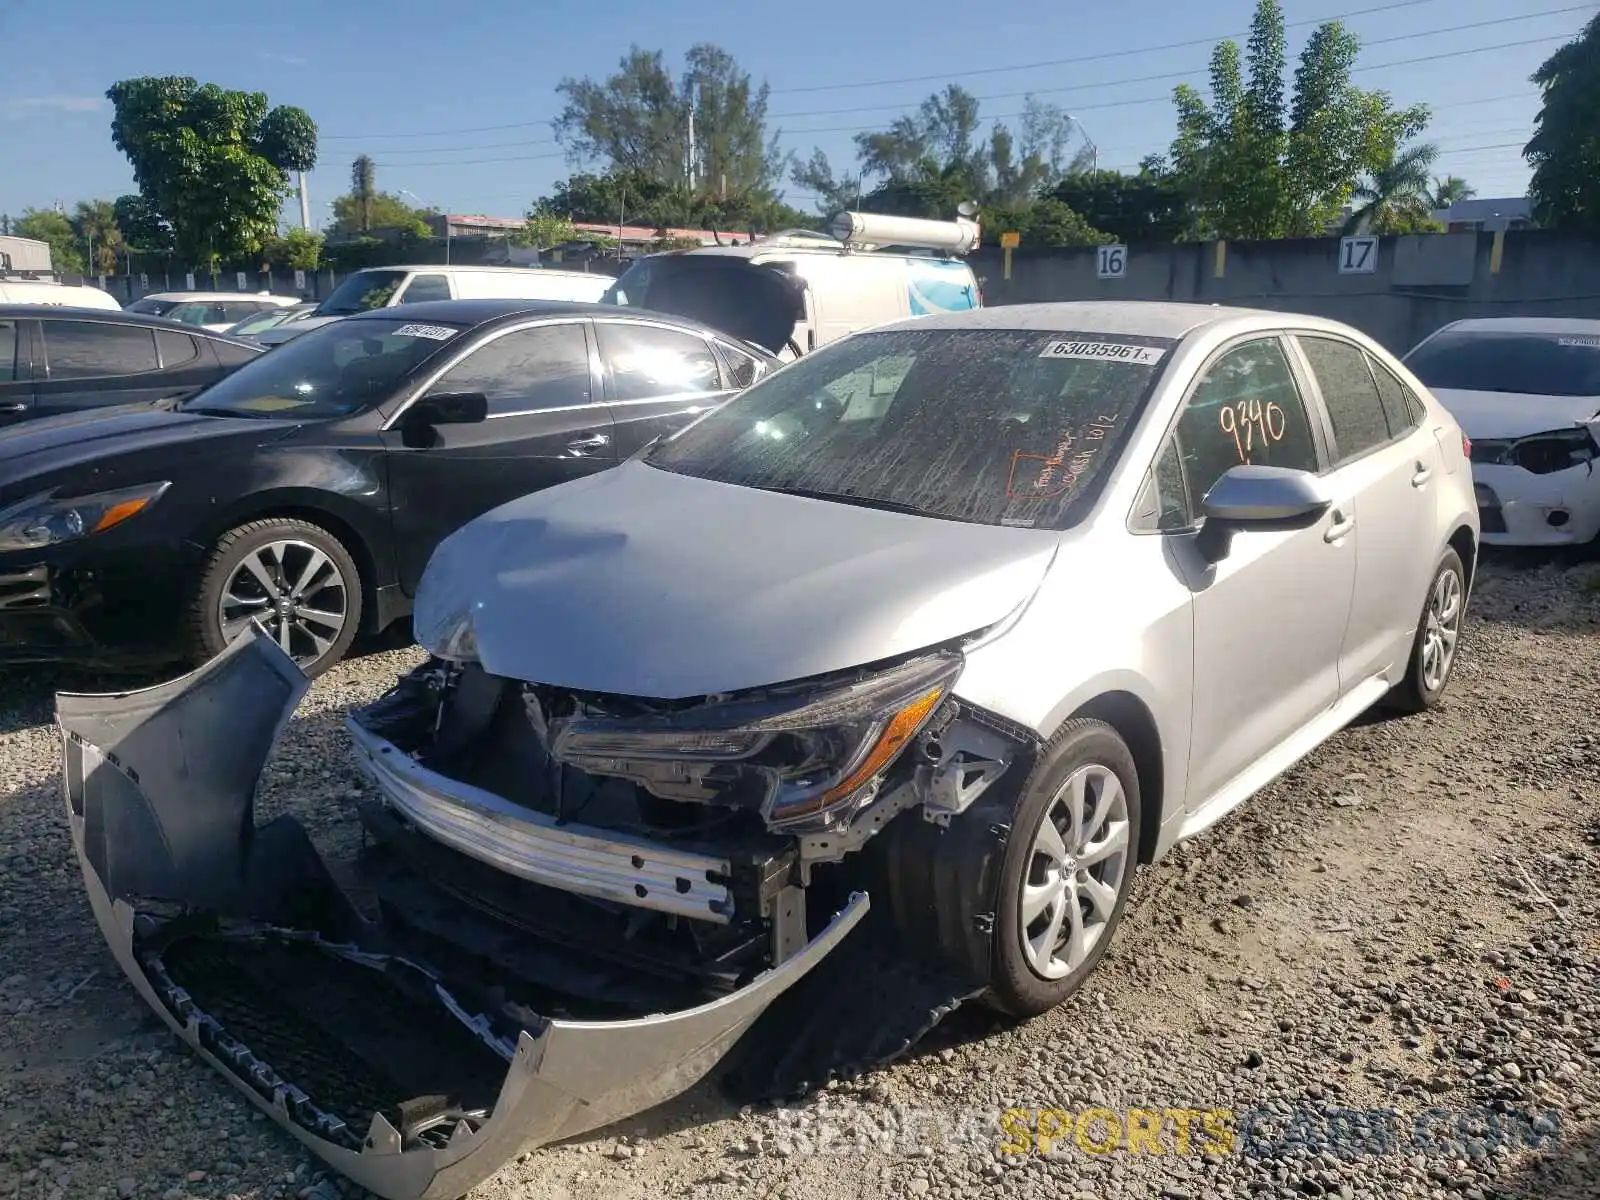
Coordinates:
[1057,473]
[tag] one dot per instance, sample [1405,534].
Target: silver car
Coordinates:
[862,696]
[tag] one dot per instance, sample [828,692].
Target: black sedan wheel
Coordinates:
[295,578]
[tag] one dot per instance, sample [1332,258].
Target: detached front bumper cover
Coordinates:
[160,788]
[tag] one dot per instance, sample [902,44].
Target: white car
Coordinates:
[1526,391]
[216,311]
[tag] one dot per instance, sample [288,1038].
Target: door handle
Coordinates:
[1423,474]
[1340,529]
[585,445]
[14,406]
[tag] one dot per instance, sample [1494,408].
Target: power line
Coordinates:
[947,76]
[1063,62]
[1181,75]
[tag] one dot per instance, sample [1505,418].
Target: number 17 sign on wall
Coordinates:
[1111,262]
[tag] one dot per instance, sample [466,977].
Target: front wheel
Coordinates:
[1433,651]
[1069,865]
[295,578]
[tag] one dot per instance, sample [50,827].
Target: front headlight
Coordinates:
[815,756]
[47,519]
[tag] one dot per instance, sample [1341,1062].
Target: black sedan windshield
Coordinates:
[992,426]
[332,371]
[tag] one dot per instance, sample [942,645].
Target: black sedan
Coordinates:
[61,360]
[307,489]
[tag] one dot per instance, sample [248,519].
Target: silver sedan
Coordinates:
[863,695]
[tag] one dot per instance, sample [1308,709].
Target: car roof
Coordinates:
[1525,325]
[1128,318]
[483,311]
[185,297]
[117,316]
[455,268]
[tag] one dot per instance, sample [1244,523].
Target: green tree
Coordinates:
[211,164]
[545,230]
[929,161]
[1395,199]
[382,210]
[633,198]
[95,221]
[1565,149]
[1452,189]
[1151,206]
[363,187]
[296,250]
[638,122]
[1257,163]
[51,227]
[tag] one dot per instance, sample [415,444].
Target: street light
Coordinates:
[424,204]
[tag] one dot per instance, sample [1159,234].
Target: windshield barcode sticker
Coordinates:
[1139,356]
[437,332]
[1592,343]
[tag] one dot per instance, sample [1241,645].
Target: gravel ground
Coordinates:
[1406,922]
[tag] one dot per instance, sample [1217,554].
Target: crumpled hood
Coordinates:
[641,582]
[1512,415]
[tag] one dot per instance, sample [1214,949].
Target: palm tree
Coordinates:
[363,187]
[1448,191]
[96,222]
[1396,193]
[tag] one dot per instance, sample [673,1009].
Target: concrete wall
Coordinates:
[1421,282]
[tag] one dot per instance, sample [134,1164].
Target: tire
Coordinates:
[285,550]
[1423,688]
[1093,751]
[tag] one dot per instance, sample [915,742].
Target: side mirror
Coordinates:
[450,408]
[1258,498]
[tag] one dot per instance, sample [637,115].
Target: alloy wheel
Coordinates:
[1442,628]
[1074,872]
[297,593]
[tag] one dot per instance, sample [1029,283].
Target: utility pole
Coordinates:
[305,203]
[689,165]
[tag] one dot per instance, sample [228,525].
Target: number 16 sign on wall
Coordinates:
[1111,262]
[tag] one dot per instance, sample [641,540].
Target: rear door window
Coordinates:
[1350,395]
[1400,405]
[645,361]
[97,349]
[177,349]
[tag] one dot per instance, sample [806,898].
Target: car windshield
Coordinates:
[991,426]
[362,291]
[1535,364]
[156,308]
[332,371]
[263,320]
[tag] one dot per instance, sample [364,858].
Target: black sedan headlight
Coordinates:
[815,756]
[47,519]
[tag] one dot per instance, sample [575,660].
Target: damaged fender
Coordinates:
[160,788]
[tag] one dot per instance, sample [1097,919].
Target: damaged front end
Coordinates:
[1540,488]
[561,909]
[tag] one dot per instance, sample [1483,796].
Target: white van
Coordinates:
[381,287]
[49,291]
[798,290]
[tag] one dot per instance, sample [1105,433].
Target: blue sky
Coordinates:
[419,85]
